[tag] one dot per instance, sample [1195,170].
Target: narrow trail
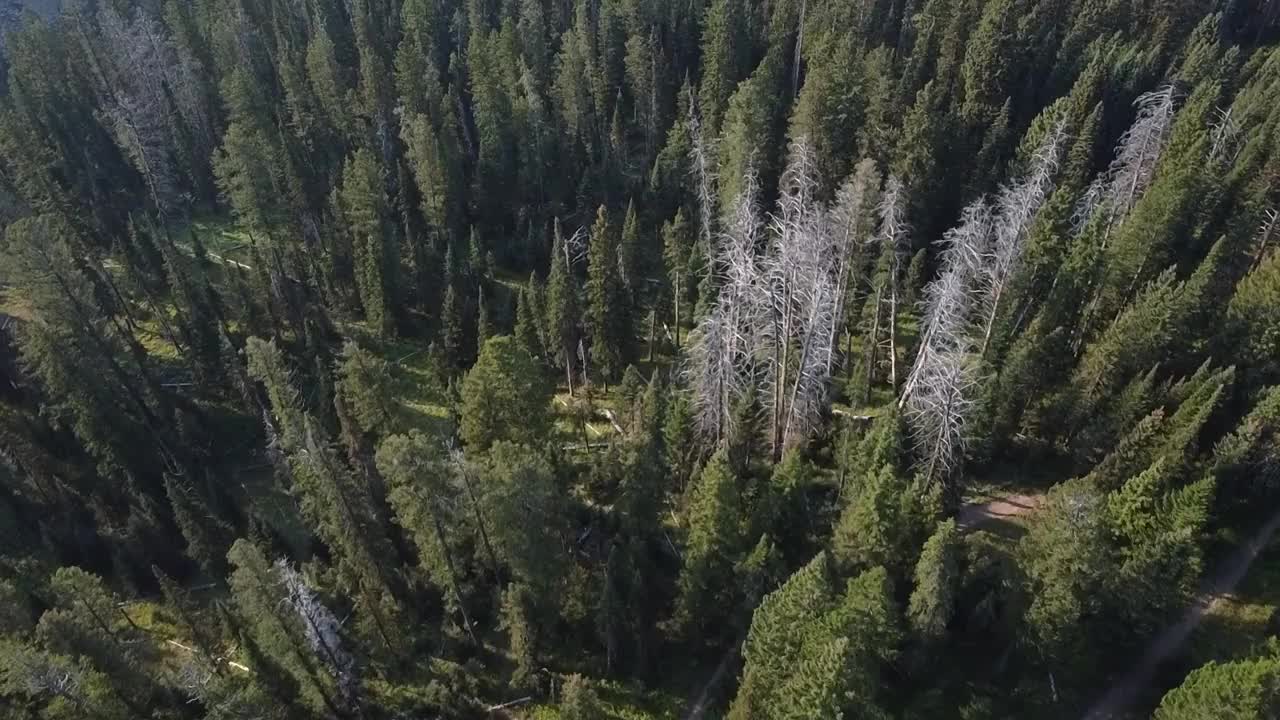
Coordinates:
[1128,689]
[977,514]
[701,703]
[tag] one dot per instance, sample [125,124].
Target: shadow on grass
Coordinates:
[1004,529]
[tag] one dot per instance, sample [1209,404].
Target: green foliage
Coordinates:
[1232,691]
[376,254]
[505,397]
[813,649]
[210,208]
[579,700]
[715,519]
[937,573]
[608,308]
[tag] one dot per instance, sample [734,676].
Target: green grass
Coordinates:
[621,702]
[1239,623]
[220,236]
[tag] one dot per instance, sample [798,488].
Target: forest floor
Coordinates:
[1217,591]
[998,507]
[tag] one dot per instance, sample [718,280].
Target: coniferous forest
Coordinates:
[639,359]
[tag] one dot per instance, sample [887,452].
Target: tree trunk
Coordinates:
[873,347]
[453,579]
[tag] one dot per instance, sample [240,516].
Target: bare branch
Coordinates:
[1017,205]
[322,630]
[1137,155]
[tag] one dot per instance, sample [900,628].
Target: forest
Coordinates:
[639,359]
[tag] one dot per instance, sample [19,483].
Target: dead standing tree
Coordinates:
[776,319]
[937,396]
[721,362]
[893,239]
[960,307]
[323,633]
[1017,205]
[801,304]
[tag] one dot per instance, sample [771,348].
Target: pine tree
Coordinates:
[1233,690]
[608,309]
[423,499]
[580,701]
[715,537]
[726,50]
[376,253]
[505,397]
[751,141]
[677,246]
[933,601]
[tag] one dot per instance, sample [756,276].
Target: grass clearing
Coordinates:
[1239,623]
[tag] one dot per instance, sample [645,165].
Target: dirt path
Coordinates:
[700,704]
[1229,574]
[1013,505]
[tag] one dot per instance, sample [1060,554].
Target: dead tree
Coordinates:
[851,224]
[323,633]
[799,291]
[937,398]
[152,89]
[720,367]
[949,300]
[1117,190]
[1017,206]
[940,410]
[894,238]
[701,159]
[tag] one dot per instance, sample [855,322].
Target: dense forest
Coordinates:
[586,359]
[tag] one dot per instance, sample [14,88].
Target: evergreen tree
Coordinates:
[608,308]
[715,537]
[505,397]
[563,313]
[933,600]
[376,253]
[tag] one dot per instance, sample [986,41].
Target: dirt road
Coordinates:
[975,515]
[1229,573]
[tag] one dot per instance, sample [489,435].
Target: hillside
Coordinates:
[639,359]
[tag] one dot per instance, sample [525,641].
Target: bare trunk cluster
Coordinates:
[775,325]
[152,87]
[960,307]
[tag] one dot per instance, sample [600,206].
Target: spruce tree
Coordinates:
[608,307]
[376,254]
[505,397]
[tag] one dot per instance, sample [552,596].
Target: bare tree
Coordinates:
[323,632]
[701,158]
[1266,233]
[948,304]
[1017,206]
[940,409]
[720,366]
[851,224]
[152,87]
[1226,137]
[1117,190]
[894,237]
[799,284]
[776,319]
